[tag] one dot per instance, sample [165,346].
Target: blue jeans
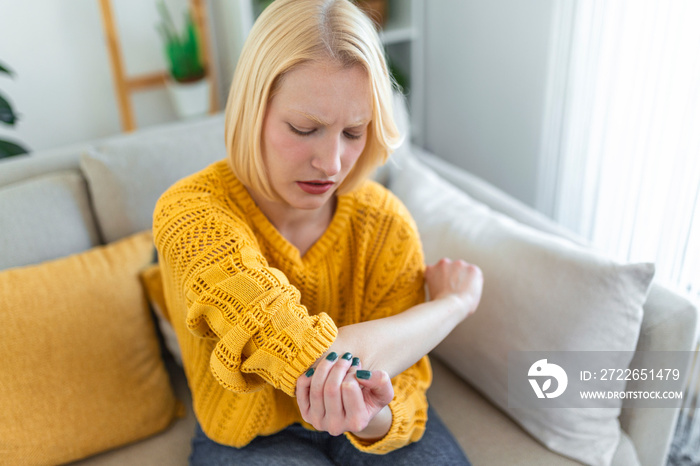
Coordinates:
[298,446]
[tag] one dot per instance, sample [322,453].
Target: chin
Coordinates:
[305,201]
[311,204]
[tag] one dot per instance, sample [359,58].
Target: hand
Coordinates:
[333,399]
[459,279]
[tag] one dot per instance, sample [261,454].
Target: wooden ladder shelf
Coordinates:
[126,85]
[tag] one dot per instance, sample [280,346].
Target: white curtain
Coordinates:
[621,144]
[622,139]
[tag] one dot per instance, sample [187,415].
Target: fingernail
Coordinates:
[355,361]
[363,374]
[310,372]
[332,356]
[347,356]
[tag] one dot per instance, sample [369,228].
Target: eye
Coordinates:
[352,136]
[299,132]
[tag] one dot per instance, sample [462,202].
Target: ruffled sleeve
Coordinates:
[232,295]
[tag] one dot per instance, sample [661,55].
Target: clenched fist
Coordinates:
[458,279]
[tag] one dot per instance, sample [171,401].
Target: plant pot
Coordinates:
[190,99]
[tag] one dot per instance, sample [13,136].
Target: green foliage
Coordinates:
[181,50]
[7,114]
[8,117]
[5,70]
[399,76]
[8,149]
[260,5]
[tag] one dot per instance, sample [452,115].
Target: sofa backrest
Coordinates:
[63,201]
[45,217]
[26,166]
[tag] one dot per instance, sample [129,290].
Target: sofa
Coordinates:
[67,202]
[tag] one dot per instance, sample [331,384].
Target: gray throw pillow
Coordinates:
[127,175]
[44,218]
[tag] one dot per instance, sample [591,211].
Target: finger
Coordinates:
[332,397]
[355,365]
[317,408]
[379,385]
[356,411]
[302,392]
[350,376]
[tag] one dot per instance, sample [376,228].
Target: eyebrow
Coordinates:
[320,121]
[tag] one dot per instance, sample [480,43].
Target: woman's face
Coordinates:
[315,129]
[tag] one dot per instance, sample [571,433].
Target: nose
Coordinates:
[327,158]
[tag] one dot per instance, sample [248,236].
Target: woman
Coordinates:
[283,257]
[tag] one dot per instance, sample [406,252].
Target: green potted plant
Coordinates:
[187,81]
[260,5]
[8,117]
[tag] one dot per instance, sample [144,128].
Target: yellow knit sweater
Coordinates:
[251,315]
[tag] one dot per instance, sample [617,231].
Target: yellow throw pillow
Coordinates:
[151,279]
[81,366]
[152,282]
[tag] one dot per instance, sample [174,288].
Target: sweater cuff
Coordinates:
[317,341]
[399,433]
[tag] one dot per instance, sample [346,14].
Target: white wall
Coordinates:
[486,66]
[63,87]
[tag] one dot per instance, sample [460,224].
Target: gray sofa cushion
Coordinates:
[488,436]
[127,175]
[44,218]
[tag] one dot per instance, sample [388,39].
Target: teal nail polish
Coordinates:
[355,361]
[310,372]
[332,356]
[363,374]
[347,356]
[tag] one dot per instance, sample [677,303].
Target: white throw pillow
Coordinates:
[541,293]
[403,123]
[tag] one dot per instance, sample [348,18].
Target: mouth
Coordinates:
[315,186]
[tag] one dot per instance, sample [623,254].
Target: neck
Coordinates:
[288,220]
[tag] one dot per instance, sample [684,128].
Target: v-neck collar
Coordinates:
[259,220]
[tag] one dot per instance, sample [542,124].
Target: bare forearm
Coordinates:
[378,426]
[395,343]
[391,345]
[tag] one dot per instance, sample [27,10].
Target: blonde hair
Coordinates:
[287,34]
